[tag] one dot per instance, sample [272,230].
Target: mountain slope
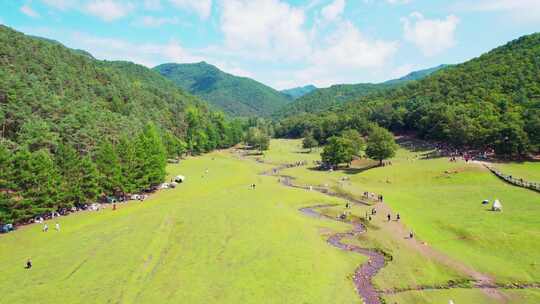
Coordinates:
[418,75]
[332,97]
[490,102]
[74,129]
[296,93]
[238,96]
[57,94]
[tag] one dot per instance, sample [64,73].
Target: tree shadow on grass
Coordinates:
[352,171]
[346,170]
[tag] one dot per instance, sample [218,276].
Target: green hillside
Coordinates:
[492,101]
[296,93]
[334,96]
[74,128]
[237,96]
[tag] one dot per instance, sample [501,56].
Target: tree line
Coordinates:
[490,102]
[36,181]
[74,129]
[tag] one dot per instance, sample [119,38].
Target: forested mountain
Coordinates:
[329,98]
[296,93]
[237,96]
[492,101]
[333,97]
[74,128]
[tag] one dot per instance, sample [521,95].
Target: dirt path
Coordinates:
[365,272]
[481,281]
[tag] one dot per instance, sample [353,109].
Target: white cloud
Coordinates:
[522,10]
[108,10]
[232,68]
[264,28]
[333,10]
[148,54]
[431,36]
[347,47]
[346,56]
[28,11]
[151,21]
[201,7]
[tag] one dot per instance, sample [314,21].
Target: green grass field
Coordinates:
[529,171]
[213,239]
[210,240]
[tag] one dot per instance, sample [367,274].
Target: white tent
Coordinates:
[179,178]
[497,206]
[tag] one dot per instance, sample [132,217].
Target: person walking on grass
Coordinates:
[389,217]
[57,226]
[28,263]
[45,228]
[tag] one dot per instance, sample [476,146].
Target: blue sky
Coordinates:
[282,43]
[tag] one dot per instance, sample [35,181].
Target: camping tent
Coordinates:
[496,206]
[179,178]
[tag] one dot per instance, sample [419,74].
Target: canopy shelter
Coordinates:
[497,206]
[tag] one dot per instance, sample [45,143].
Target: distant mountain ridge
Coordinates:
[298,92]
[328,98]
[236,96]
[417,75]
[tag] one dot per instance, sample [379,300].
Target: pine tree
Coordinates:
[68,163]
[89,183]
[108,166]
[156,156]
[7,186]
[129,164]
[37,180]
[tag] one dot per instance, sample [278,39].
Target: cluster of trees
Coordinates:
[73,128]
[380,145]
[38,181]
[322,126]
[257,139]
[491,102]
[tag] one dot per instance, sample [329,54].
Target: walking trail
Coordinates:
[365,272]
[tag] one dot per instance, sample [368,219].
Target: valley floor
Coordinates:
[215,239]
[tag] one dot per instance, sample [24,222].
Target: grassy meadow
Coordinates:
[214,239]
[529,171]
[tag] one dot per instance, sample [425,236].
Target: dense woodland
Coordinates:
[489,102]
[74,129]
[236,96]
[334,97]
